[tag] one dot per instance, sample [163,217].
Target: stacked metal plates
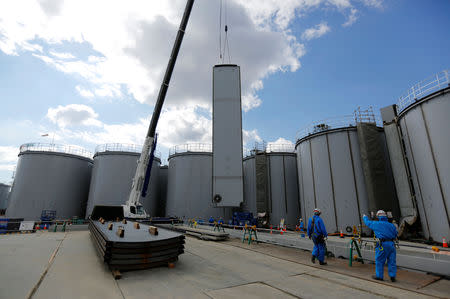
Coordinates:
[137,249]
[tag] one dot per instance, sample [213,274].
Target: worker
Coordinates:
[220,221]
[318,233]
[211,221]
[301,225]
[385,247]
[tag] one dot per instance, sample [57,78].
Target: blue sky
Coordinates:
[89,75]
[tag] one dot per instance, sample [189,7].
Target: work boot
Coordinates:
[376,277]
[393,279]
[323,263]
[313,259]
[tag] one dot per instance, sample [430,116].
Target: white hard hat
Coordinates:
[317,211]
[381,213]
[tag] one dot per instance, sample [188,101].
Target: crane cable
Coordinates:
[226,45]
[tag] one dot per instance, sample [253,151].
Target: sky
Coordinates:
[88,72]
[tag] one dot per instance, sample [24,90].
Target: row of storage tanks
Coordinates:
[345,169]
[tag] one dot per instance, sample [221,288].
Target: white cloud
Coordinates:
[8,154]
[134,46]
[373,3]
[84,92]
[351,18]
[316,31]
[8,160]
[73,115]
[61,55]
[250,137]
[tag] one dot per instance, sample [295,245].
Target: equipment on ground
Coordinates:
[47,217]
[133,208]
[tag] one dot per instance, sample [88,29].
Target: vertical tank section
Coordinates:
[114,168]
[163,177]
[271,184]
[189,187]
[4,194]
[335,166]
[424,124]
[50,177]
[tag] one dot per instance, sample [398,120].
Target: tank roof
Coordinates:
[424,88]
[339,122]
[121,148]
[191,148]
[55,148]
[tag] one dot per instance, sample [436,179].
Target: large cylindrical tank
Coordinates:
[114,169]
[273,187]
[4,193]
[50,177]
[424,125]
[189,188]
[333,177]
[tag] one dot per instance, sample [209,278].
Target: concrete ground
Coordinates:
[206,270]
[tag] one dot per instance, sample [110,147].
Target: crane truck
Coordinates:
[133,208]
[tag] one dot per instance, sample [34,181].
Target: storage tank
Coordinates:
[113,172]
[50,177]
[4,193]
[189,187]
[271,184]
[344,170]
[424,124]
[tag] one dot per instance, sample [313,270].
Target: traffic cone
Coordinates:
[37,226]
[45,226]
[281,232]
[271,229]
[341,235]
[444,243]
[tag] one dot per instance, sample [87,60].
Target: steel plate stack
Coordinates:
[137,249]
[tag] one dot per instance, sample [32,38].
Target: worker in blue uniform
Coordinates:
[301,225]
[211,221]
[386,233]
[318,233]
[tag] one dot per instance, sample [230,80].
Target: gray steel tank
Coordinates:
[114,168]
[50,177]
[189,187]
[4,193]
[344,172]
[425,126]
[271,184]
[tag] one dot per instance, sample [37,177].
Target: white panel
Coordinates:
[322,181]
[227,136]
[307,197]
[344,182]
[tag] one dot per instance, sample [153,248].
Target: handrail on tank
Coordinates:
[423,88]
[358,116]
[263,147]
[58,148]
[191,147]
[122,147]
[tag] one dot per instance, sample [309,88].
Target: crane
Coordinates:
[133,208]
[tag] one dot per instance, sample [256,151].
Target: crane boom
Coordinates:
[133,208]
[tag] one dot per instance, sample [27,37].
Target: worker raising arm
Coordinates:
[385,247]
